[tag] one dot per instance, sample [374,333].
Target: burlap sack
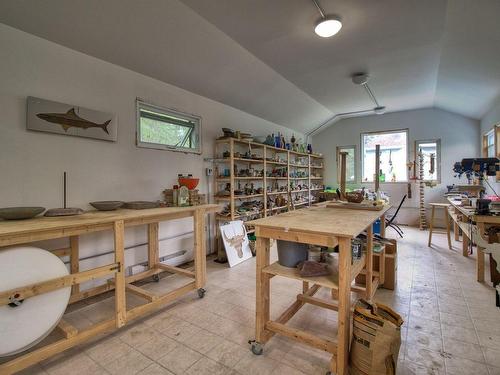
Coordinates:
[376,339]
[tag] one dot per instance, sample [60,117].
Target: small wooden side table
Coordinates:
[443,206]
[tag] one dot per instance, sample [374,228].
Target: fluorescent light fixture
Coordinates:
[327,27]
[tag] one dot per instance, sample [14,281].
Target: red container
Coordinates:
[189,182]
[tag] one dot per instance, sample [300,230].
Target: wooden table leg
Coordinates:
[153,245]
[200,256]
[447,220]
[381,267]
[456,228]
[74,260]
[382,225]
[480,256]
[431,225]
[120,302]
[305,286]
[344,323]
[262,313]
[465,245]
[369,263]
[480,265]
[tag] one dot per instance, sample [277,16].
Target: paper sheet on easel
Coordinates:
[234,236]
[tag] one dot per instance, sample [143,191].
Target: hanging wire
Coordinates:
[320,10]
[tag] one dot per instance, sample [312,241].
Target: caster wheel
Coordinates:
[201,292]
[257,348]
[156,278]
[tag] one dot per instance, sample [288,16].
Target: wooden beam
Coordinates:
[377,168]
[382,226]
[344,335]
[151,297]
[142,275]
[343,172]
[143,293]
[74,260]
[295,236]
[200,253]
[160,301]
[153,245]
[331,305]
[173,269]
[262,309]
[302,336]
[295,307]
[64,252]
[91,292]
[359,289]
[369,262]
[47,351]
[57,283]
[120,298]
[67,329]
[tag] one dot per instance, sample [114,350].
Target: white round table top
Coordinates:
[30,321]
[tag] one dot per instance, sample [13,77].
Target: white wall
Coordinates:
[489,120]
[459,139]
[32,163]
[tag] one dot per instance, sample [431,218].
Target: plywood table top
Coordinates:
[338,222]
[93,218]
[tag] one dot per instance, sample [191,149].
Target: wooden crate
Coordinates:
[195,199]
[391,266]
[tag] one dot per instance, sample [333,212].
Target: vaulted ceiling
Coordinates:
[262,56]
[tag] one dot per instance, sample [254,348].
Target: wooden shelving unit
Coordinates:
[234,155]
[301,169]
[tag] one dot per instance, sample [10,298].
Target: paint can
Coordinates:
[314,254]
[291,253]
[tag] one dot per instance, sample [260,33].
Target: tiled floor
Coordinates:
[451,324]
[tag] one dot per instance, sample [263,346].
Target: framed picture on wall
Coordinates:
[53,117]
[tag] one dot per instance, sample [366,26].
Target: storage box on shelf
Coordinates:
[256,180]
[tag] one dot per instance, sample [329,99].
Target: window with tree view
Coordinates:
[167,129]
[393,155]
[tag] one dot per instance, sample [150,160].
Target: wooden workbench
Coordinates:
[322,226]
[44,228]
[473,228]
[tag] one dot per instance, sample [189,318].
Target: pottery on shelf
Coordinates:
[70,211]
[20,213]
[106,205]
[189,182]
[141,205]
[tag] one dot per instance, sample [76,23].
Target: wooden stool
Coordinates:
[444,206]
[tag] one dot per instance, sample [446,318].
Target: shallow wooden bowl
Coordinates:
[20,213]
[106,205]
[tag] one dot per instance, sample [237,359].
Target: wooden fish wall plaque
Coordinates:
[54,117]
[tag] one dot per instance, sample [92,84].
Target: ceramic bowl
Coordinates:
[189,182]
[20,213]
[259,139]
[69,211]
[141,205]
[106,205]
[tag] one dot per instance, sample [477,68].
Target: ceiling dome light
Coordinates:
[327,27]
